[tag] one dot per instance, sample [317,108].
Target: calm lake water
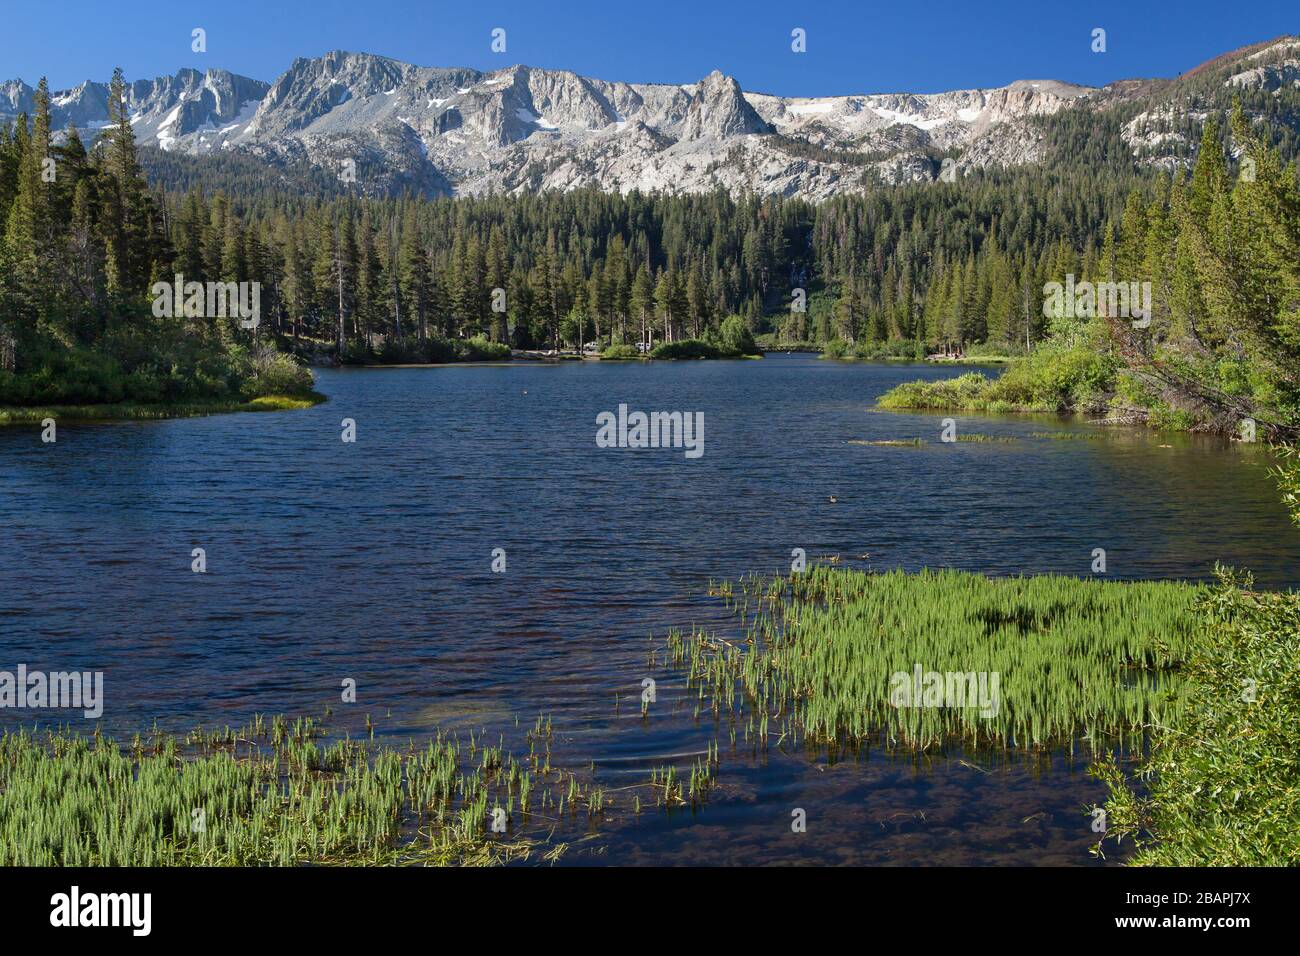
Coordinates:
[372,561]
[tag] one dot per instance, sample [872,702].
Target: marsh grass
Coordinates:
[672,789]
[278,792]
[274,793]
[920,442]
[1078,660]
[132,411]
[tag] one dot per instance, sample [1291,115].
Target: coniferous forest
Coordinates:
[84,241]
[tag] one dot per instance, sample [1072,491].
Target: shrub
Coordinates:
[734,337]
[356,353]
[148,366]
[433,350]
[1052,380]
[620,352]
[479,349]
[274,373]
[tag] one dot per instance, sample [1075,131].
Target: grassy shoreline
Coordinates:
[136,411]
[1073,663]
[911,360]
[1079,380]
[1068,380]
[971,392]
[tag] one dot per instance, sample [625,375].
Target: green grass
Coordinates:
[970,392]
[278,793]
[270,794]
[890,442]
[918,442]
[132,411]
[1075,657]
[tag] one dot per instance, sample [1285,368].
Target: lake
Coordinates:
[373,560]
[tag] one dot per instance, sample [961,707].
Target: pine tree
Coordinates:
[641,301]
[416,277]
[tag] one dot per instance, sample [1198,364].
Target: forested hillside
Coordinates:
[893,270]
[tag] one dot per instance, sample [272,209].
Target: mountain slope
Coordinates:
[523,129]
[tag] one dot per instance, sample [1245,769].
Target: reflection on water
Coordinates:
[372,561]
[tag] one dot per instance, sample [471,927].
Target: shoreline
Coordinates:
[905,360]
[147,411]
[539,360]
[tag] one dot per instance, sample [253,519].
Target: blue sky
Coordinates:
[863,46]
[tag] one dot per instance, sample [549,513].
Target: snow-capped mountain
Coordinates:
[522,129]
[197,109]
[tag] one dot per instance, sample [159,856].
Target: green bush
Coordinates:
[275,373]
[734,337]
[1052,380]
[620,352]
[479,349]
[433,350]
[359,353]
[66,377]
[146,386]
